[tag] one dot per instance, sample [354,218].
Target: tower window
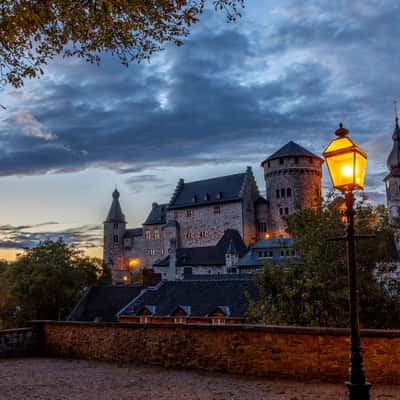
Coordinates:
[281,211]
[115,238]
[217,210]
[281,161]
[282,192]
[189,213]
[289,192]
[115,226]
[286,211]
[156,234]
[147,235]
[277,194]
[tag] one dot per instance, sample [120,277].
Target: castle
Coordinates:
[208,225]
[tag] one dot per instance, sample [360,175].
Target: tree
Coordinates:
[313,290]
[47,281]
[32,32]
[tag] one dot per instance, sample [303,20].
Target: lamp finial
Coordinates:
[341,132]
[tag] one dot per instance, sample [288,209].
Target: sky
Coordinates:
[229,97]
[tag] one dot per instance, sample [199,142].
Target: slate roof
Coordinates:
[203,297]
[135,232]
[209,255]
[115,214]
[103,302]
[158,215]
[273,243]
[209,191]
[290,149]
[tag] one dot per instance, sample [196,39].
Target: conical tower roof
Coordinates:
[115,214]
[393,161]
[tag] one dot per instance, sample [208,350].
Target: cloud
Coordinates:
[32,127]
[232,93]
[22,237]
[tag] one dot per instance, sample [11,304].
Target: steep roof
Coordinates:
[209,191]
[115,214]
[103,302]
[290,149]
[203,297]
[393,161]
[209,255]
[158,215]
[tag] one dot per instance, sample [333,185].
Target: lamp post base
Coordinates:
[358,391]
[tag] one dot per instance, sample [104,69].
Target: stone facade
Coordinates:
[290,352]
[199,213]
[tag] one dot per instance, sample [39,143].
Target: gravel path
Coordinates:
[56,379]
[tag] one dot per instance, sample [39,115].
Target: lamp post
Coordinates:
[347,164]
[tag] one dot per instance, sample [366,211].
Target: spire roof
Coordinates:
[115,214]
[393,161]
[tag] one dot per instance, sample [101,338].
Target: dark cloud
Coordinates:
[22,237]
[231,93]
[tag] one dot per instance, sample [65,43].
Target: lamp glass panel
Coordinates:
[341,169]
[339,144]
[361,166]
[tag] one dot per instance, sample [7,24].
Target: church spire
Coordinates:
[115,214]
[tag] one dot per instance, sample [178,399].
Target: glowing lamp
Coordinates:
[125,278]
[267,236]
[133,263]
[346,162]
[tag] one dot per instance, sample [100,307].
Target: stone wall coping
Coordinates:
[16,330]
[294,330]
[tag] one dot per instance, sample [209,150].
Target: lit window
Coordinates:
[217,210]
[115,238]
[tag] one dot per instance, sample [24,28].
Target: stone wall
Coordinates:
[17,342]
[301,353]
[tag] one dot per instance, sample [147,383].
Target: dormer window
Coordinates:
[219,195]
[206,197]
[194,199]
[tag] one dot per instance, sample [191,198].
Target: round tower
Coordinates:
[114,232]
[392,181]
[293,179]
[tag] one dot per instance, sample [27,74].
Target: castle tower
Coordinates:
[114,231]
[392,181]
[293,179]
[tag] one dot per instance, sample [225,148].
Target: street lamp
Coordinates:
[347,164]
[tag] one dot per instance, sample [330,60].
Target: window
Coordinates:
[281,161]
[217,210]
[206,197]
[115,226]
[270,254]
[278,194]
[176,214]
[189,213]
[282,192]
[310,160]
[269,164]
[286,211]
[189,235]
[282,253]
[203,234]
[219,195]
[260,254]
[296,160]
[156,234]
[162,252]
[115,238]
[194,199]
[147,235]
[281,211]
[288,192]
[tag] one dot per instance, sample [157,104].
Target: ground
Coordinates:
[56,379]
